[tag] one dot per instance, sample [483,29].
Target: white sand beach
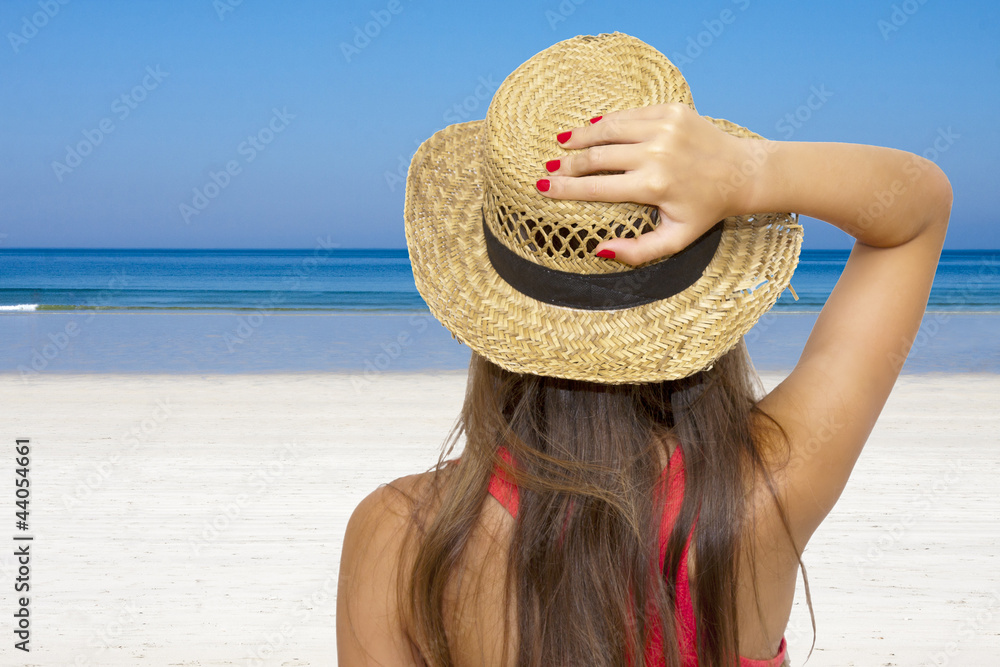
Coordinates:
[197,520]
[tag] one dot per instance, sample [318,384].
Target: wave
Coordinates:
[21,307]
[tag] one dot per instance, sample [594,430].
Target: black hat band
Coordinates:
[604,291]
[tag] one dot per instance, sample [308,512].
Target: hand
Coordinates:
[673,159]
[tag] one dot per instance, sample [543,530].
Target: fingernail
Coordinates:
[543,184]
[595,119]
[563,137]
[552,165]
[608,254]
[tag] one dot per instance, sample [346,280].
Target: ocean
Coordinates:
[355,281]
[235,311]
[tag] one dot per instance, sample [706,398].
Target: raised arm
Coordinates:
[896,205]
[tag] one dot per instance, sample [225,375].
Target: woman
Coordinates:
[626,494]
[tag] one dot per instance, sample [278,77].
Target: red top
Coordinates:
[672,483]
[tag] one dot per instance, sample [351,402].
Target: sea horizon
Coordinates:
[358,311]
[354,280]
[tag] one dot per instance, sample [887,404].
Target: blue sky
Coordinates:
[299,137]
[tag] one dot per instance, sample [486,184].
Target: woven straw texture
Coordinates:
[489,167]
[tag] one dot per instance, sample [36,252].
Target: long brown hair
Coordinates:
[589,457]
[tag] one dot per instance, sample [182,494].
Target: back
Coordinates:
[474,601]
[670,495]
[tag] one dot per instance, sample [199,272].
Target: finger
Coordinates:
[668,238]
[651,112]
[605,188]
[609,131]
[613,157]
[616,126]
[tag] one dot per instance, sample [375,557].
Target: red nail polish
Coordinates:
[552,165]
[543,185]
[563,137]
[609,254]
[595,119]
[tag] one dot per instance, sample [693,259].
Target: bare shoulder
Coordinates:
[370,627]
[395,501]
[382,520]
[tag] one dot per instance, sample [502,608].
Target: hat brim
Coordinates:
[664,340]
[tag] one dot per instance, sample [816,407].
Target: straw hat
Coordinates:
[512,273]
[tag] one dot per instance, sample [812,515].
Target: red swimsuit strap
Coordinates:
[501,486]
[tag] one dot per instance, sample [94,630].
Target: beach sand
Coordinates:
[197,520]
